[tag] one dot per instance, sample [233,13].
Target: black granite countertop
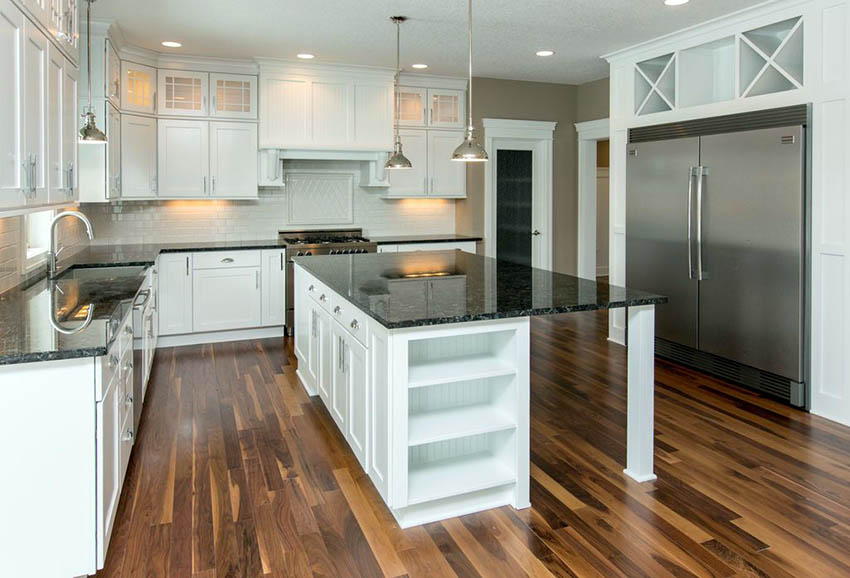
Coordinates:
[68,317]
[409,239]
[437,287]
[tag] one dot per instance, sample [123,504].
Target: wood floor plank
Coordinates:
[237,472]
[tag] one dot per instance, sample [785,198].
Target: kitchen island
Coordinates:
[422,360]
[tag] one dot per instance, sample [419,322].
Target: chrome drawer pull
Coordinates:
[227,260]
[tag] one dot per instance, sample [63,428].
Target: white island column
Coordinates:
[641,391]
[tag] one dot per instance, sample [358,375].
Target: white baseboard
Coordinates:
[219,336]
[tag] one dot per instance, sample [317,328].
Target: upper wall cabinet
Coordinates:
[12,167]
[137,87]
[750,63]
[112,73]
[233,96]
[325,108]
[182,93]
[434,107]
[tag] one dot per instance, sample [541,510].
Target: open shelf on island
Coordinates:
[454,476]
[439,371]
[455,422]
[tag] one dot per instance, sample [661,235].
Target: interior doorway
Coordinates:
[518,191]
[602,209]
[590,226]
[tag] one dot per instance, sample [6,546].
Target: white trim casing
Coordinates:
[539,135]
[588,134]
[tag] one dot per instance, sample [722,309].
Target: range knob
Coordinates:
[299,254]
[332,252]
[308,253]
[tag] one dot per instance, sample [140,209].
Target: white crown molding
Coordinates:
[593,129]
[274,65]
[432,81]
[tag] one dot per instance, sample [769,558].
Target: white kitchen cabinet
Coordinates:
[446,108]
[174,298]
[56,181]
[412,182]
[137,87]
[35,115]
[226,298]
[40,10]
[447,178]
[12,169]
[233,96]
[325,367]
[70,119]
[182,93]
[138,156]
[356,377]
[108,445]
[233,157]
[183,157]
[412,106]
[113,152]
[316,108]
[67,26]
[313,357]
[338,380]
[112,73]
[274,287]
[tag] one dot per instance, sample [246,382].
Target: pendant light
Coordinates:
[397,160]
[90,133]
[469,151]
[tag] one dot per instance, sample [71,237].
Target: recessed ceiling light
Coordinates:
[675,2]
[305,55]
[420,66]
[171,44]
[545,52]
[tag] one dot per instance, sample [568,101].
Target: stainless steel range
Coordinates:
[318,242]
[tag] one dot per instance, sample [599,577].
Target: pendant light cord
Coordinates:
[88,48]
[469,88]
[397,73]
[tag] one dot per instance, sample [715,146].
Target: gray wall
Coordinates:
[521,100]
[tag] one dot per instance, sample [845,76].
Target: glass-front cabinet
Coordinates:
[431,107]
[182,93]
[233,95]
[138,85]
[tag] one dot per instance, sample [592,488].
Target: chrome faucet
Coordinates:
[53,254]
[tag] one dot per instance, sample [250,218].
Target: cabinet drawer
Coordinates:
[226,259]
[354,321]
[127,436]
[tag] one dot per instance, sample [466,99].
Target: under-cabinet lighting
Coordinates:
[306,56]
[545,52]
[171,44]
[420,66]
[675,2]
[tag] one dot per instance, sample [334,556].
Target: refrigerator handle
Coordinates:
[691,173]
[702,172]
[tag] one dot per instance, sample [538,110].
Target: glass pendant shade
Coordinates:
[469,151]
[90,133]
[397,160]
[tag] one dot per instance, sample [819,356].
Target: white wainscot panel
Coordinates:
[830,364]
[831,162]
[319,198]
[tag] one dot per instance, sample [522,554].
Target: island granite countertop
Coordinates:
[457,287]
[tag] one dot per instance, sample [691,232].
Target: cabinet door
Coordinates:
[11,106]
[138,156]
[314,346]
[303,325]
[56,181]
[40,9]
[112,82]
[137,87]
[35,114]
[412,106]
[233,158]
[324,376]
[233,96]
[108,442]
[174,297]
[274,287]
[69,27]
[412,182]
[285,111]
[224,299]
[339,383]
[182,93]
[183,157]
[447,178]
[113,152]
[356,376]
[70,118]
[446,108]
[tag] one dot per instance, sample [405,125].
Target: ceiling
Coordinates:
[506,33]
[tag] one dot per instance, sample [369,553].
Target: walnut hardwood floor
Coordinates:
[236,472]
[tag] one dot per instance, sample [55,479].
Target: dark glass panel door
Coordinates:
[513,205]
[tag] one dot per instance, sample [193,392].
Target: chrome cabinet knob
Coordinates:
[536,232]
[128,435]
[311,288]
[355,325]
[113,361]
[128,330]
[323,298]
[337,310]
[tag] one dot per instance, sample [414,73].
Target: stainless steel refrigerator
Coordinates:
[716,220]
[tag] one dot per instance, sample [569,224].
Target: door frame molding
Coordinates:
[589,133]
[539,134]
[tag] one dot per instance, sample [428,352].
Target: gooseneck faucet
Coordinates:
[53,253]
